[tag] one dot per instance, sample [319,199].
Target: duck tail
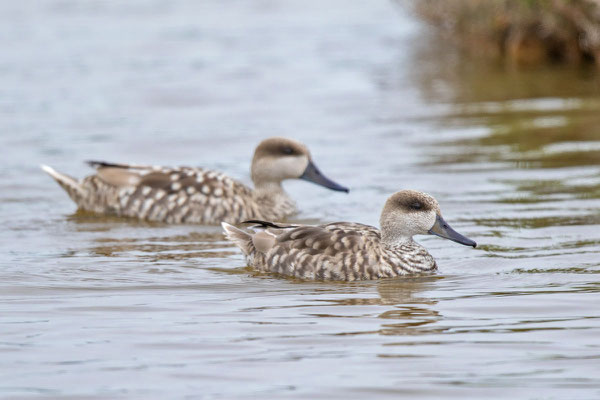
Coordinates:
[242,239]
[73,188]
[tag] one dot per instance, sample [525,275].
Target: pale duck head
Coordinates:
[277,159]
[407,213]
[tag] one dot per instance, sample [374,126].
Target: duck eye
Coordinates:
[416,205]
[287,150]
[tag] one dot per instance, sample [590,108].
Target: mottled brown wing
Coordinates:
[171,180]
[175,195]
[368,231]
[214,197]
[330,239]
[338,251]
[201,196]
[119,175]
[191,180]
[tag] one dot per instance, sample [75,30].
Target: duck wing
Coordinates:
[179,194]
[337,251]
[327,239]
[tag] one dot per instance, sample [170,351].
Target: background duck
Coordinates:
[197,195]
[350,251]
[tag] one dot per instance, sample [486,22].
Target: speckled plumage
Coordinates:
[192,195]
[338,251]
[346,251]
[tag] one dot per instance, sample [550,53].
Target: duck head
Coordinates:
[277,159]
[407,213]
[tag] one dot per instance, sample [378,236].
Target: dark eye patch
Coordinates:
[287,150]
[416,205]
[413,205]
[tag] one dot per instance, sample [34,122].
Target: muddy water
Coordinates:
[94,307]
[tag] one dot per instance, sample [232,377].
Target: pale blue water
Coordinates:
[97,308]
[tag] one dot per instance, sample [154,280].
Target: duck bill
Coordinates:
[312,174]
[442,229]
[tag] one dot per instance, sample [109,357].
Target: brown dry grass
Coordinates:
[522,31]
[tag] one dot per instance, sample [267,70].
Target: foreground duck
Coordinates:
[350,251]
[197,195]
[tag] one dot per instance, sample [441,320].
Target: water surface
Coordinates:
[95,307]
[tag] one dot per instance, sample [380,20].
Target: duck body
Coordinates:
[196,195]
[337,251]
[350,251]
[172,195]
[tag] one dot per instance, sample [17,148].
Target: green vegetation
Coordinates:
[524,32]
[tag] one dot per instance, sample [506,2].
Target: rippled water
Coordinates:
[94,307]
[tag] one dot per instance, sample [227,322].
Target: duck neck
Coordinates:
[269,190]
[394,240]
[394,233]
[273,201]
[268,187]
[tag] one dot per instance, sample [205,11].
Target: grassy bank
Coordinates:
[524,32]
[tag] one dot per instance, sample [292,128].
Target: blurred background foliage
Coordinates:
[523,32]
